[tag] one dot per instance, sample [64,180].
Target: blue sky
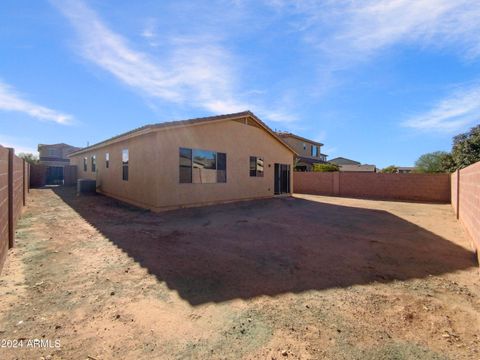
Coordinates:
[381,82]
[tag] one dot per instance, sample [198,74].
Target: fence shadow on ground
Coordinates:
[269,247]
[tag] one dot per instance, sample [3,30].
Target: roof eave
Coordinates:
[182,123]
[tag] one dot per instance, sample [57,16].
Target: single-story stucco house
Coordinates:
[190,163]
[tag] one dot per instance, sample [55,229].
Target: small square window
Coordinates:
[256,166]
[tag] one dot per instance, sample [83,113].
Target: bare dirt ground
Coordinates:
[308,277]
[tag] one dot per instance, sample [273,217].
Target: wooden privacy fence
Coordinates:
[408,187]
[466,200]
[14,187]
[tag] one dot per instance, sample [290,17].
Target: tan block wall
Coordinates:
[410,187]
[315,183]
[3,204]
[454,191]
[154,165]
[468,205]
[12,199]
[26,183]
[17,189]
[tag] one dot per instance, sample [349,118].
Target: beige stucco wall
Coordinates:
[297,145]
[154,165]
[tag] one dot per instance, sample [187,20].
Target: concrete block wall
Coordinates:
[314,183]
[26,183]
[18,187]
[4,235]
[408,187]
[14,185]
[466,200]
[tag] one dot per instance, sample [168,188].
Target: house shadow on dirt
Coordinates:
[269,247]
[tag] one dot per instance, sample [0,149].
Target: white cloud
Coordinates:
[196,71]
[149,33]
[10,100]
[351,31]
[453,113]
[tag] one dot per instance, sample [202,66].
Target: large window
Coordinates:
[202,166]
[125,164]
[85,160]
[314,151]
[94,163]
[107,160]
[256,166]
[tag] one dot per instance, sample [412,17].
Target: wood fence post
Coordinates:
[11,230]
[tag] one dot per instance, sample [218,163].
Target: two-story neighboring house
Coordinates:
[309,151]
[55,154]
[54,157]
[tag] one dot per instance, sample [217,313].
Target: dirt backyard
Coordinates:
[308,277]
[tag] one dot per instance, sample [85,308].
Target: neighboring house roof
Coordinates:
[182,123]
[66,149]
[358,168]
[406,168]
[309,160]
[284,134]
[343,161]
[56,145]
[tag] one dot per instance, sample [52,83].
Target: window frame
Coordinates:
[189,156]
[125,164]
[93,163]
[220,166]
[107,160]
[255,168]
[85,164]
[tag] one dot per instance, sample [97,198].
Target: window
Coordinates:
[314,151]
[51,152]
[185,165]
[256,166]
[94,163]
[202,166]
[221,167]
[304,146]
[85,164]
[204,169]
[125,164]
[107,160]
